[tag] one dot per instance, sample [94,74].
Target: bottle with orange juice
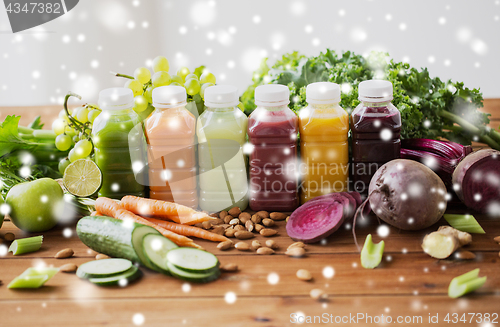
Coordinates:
[170,134]
[324,128]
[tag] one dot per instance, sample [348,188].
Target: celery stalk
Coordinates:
[28,281]
[464,223]
[466,283]
[26,245]
[42,134]
[371,254]
[38,271]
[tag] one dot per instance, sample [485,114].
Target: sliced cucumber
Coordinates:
[192,276]
[193,260]
[115,237]
[122,279]
[156,248]
[103,268]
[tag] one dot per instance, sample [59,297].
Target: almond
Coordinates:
[235,211]
[229,267]
[214,214]
[206,224]
[199,225]
[271,244]
[258,227]
[218,230]
[256,244]
[69,267]
[304,274]
[242,246]
[63,254]
[217,221]
[497,239]
[267,222]
[296,244]
[9,237]
[226,245]
[296,252]
[222,214]
[229,232]
[263,214]
[266,232]
[244,217]
[101,256]
[465,255]
[225,226]
[265,250]
[277,216]
[239,227]
[249,225]
[287,218]
[318,294]
[227,219]
[243,235]
[256,219]
[234,221]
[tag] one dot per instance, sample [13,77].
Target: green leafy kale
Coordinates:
[430,108]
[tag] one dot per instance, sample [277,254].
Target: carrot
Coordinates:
[188,230]
[110,208]
[163,210]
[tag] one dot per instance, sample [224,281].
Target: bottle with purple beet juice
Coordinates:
[272,132]
[375,126]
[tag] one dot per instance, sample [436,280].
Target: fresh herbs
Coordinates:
[430,108]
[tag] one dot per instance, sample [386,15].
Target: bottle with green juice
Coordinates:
[119,144]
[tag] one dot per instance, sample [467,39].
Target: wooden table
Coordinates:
[408,285]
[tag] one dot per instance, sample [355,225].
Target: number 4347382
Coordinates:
[34,7]
[471,317]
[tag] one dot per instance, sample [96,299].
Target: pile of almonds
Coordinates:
[243,226]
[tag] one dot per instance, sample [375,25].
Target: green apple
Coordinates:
[35,205]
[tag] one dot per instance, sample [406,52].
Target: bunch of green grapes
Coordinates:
[73,130]
[142,83]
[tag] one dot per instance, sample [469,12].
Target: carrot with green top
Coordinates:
[110,208]
[188,230]
[163,210]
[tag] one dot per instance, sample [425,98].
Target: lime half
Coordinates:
[82,178]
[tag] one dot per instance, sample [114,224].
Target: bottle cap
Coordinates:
[116,98]
[322,93]
[272,95]
[221,96]
[375,91]
[169,96]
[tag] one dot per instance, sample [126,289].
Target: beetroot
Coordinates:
[357,197]
[316,220]
[347,201]
[407,195]
[476,180]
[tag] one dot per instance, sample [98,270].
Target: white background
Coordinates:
[454,39]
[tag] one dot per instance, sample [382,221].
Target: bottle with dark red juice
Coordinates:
[272,132]
[375,127]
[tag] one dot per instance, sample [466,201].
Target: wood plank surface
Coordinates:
[408,282]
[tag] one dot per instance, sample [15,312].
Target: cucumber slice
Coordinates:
[193,260]
[103,268]
[192,276]
[156,248]
[122,279]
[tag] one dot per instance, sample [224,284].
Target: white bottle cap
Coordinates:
[169,96]
[272,95]
[116,98]
[322,93]
[375,91]
[221,96]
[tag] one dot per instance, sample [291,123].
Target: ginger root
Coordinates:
[446,240]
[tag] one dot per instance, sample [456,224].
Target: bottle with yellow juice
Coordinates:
[324,128]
